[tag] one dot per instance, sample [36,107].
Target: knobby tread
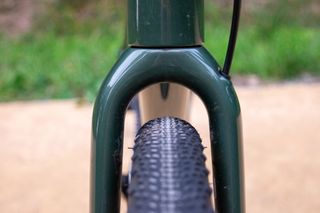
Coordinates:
[168,172]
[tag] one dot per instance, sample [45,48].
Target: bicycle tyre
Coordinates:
[168,172]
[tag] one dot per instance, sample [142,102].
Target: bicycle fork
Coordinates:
[165,45]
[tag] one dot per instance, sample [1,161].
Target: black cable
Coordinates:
[233,36]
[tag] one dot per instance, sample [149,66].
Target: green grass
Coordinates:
[47,65]
[284,52]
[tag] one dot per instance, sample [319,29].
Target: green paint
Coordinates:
[196,69]
[165,23]
[165,38]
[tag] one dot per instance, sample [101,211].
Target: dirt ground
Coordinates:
[45,151]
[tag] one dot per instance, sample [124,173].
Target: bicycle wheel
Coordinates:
[168,170]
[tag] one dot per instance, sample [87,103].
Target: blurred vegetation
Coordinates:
[74,43]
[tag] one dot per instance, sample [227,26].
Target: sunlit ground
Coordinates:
[45,149]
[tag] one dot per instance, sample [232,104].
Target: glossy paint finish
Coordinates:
[165,23]
[194,68]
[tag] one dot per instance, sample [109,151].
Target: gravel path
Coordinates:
[45,151]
